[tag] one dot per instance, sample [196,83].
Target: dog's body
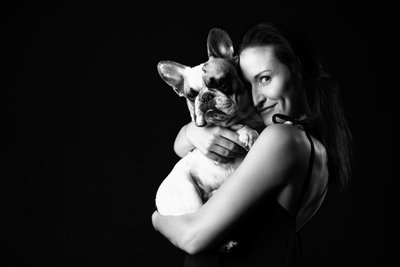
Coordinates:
[215,95]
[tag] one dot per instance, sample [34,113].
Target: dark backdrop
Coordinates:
[90,125]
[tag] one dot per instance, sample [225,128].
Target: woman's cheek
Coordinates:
[275,90]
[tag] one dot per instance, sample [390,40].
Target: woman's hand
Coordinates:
[217,143]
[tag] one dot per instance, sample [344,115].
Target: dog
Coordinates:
[215,95]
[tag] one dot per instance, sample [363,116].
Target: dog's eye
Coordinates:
[192,94]
[220,83]
[216,83]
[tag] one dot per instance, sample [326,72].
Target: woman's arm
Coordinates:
[273,161]
[177,229]
[218,143]
[182,144]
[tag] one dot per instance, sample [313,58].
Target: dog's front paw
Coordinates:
[247,137]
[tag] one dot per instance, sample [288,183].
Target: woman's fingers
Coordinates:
[217,143]
[233,138]
[217,157]
[225,153]
[230,146]
[224,148]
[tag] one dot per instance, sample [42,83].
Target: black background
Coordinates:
[90,125]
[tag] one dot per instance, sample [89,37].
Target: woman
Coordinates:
[283,179]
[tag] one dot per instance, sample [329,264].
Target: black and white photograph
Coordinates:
[254,133]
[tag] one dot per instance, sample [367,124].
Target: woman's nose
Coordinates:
[258,99]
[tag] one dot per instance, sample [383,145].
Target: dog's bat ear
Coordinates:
[173,74]
[219,44]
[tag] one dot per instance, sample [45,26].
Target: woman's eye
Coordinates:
[265,79]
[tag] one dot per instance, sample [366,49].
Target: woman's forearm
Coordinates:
[182,144]
[179,230]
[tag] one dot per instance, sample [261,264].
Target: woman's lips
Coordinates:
[266,109]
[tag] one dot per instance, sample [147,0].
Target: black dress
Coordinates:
[265,237]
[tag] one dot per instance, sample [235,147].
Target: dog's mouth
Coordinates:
[217,116]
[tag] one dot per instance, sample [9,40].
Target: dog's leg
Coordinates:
[247,136]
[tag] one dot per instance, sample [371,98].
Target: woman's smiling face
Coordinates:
[271,83]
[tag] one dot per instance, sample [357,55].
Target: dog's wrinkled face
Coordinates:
[211,92]
[212,88]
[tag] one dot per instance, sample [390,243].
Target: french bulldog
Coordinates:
[215,95]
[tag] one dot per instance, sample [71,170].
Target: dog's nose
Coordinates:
[206,96]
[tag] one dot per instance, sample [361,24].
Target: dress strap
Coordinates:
[309,171]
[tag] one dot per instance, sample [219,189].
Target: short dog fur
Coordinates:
[215,95]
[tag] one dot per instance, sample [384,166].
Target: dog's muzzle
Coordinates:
[211,108]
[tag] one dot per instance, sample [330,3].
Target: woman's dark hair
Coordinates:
[292,48]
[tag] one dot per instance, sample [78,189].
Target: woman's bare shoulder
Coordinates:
[281,144]
[286,135]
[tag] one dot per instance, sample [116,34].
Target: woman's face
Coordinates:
[271,82]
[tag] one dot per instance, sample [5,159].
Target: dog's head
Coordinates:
[213,90]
